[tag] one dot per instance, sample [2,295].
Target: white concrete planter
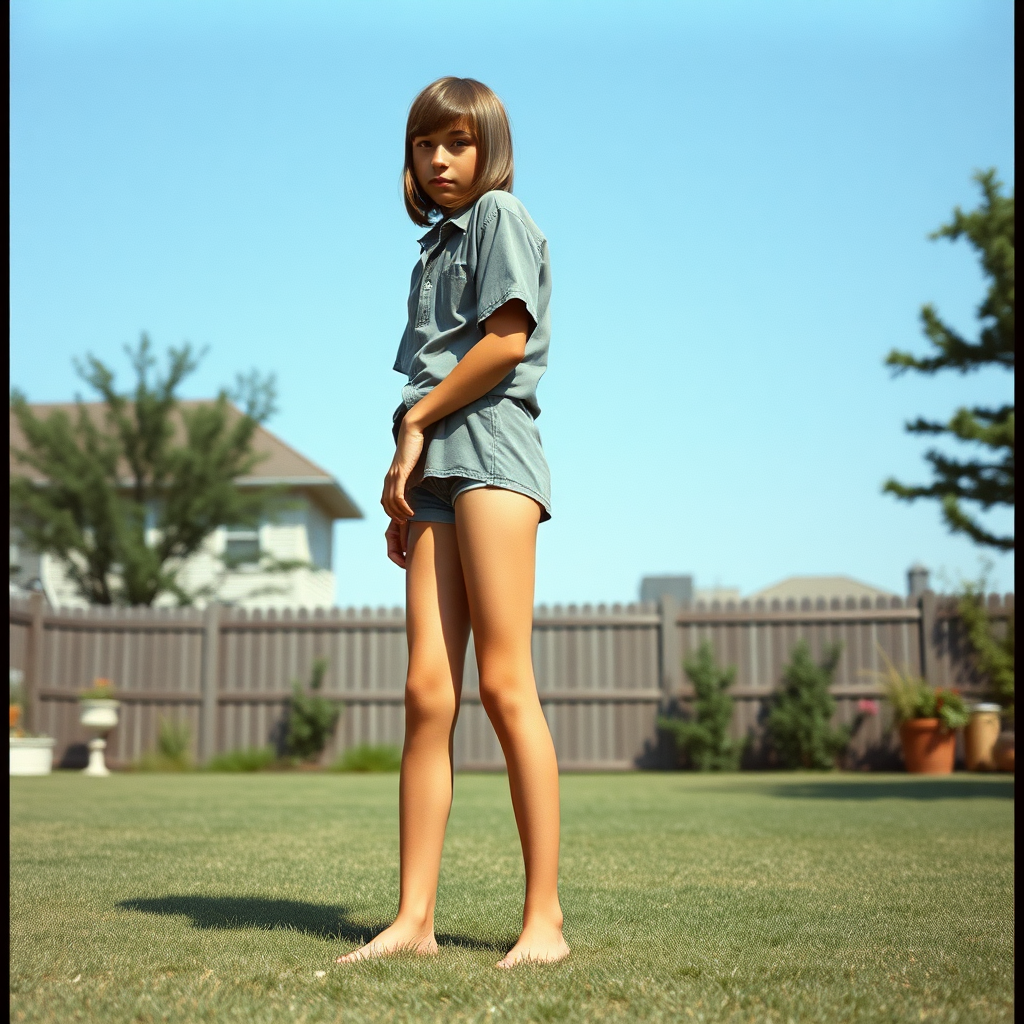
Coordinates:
[99,716]
[31,755]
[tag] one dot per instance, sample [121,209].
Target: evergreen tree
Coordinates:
[799,723]
[125,499]
[987,479]
[706,739]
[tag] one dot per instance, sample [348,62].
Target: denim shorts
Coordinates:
[433,500]
[492,442]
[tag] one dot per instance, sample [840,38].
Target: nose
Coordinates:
[439,160]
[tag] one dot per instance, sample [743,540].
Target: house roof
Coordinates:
[819,586]
[281,464]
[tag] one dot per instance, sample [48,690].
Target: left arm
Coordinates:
[482,368]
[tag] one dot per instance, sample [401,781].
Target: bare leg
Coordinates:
[437,619]
[497,533]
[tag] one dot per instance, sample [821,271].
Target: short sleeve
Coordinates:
[508,265]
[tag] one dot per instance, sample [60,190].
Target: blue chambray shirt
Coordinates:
[470,265]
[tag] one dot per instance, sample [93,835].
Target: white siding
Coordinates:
[302,533]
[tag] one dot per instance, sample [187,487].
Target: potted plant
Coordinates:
[30,754]
[928,719]
[98,713]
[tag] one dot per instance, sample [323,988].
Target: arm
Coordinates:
[483,367]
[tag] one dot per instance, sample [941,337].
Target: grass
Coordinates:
[740,898]
[367,758]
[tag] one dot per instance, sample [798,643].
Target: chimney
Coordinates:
[917,580]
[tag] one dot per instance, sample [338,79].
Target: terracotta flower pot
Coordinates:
[928,748]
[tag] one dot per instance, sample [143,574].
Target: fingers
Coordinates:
[396,536]
[394,499]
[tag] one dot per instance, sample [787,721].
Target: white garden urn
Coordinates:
[99,717]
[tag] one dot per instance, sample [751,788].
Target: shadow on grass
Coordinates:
[323,921]
[916,789]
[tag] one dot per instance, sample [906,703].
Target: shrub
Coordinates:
[171,754]
[173,738]
[311,717]
[706,739]
[368,758]
[799,723]
[993,654]
[251,759]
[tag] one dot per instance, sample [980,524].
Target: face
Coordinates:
[445,165]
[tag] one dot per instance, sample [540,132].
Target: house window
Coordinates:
[242,545]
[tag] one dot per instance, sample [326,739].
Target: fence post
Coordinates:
[208,684]
[668,649]
[32,680]
[928,653]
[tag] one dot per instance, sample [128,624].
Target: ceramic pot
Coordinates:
[928,747]
[980,737]
[31,755]
[1004,751]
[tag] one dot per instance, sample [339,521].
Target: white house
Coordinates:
[302,532]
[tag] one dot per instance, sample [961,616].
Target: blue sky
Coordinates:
[737,198]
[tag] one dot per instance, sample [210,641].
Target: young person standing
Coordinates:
[466,490]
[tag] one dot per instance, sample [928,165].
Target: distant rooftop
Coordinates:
[282,464]
[818,586]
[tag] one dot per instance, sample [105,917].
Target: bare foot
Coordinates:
[397,938]
[538,944]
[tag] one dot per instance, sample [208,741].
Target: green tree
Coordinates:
[122,500]
[799,723]
[987,479]
[706,739]
[993,649]
[311,716]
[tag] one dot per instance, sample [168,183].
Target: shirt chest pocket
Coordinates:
[454,292]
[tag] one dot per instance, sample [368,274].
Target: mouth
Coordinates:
[440,182]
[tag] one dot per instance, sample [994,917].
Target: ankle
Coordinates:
[546,918]
[420,924]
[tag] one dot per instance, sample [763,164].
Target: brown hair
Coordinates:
[447,102]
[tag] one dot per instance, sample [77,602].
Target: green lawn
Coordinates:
[688,897]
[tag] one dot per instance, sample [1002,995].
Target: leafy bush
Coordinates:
[171,754]
[251,759]
[993,655]
[173,738]
[799,723]
[311,717]
[706,739]
[368,758]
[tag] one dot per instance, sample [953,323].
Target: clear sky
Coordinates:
[737,198]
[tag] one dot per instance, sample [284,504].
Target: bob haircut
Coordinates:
[443,104]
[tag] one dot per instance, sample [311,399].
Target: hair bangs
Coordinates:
[443,104]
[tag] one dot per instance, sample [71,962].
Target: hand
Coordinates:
[407,455]
[397,536]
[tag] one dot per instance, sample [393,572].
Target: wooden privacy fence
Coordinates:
[604,673]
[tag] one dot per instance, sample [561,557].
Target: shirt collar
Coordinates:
[460,220]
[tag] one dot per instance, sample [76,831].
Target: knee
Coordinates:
[504,696]
[430,697]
